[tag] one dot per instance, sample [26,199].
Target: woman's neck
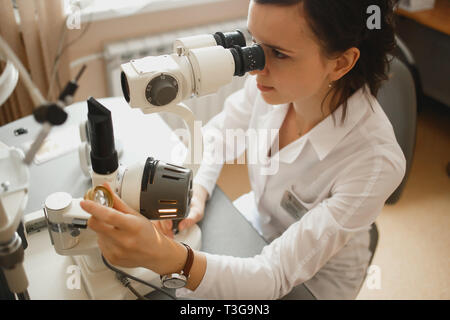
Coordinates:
[310,112]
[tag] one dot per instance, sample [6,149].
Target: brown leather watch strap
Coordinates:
[189,261]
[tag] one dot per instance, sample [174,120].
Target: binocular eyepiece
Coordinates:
[230,39]
[203,62]
[246,59]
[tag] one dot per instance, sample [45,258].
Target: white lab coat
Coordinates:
[341,174]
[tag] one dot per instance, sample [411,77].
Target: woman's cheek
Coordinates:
[306,81]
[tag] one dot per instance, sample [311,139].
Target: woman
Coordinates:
[337,156]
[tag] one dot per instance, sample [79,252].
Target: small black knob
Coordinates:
[161,90]
[51,113]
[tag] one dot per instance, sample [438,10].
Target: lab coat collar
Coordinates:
[327,134]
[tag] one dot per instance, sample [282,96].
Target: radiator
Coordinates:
[204,108]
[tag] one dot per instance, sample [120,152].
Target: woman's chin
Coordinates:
[272,98]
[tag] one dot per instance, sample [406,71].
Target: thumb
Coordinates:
[118,203]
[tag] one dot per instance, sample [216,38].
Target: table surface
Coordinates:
[224,230]
[437,18]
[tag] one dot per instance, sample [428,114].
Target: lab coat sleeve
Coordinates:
[358,196]
[234,119]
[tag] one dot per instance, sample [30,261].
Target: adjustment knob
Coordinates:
[161,90]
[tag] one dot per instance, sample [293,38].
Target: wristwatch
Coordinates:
[179,280]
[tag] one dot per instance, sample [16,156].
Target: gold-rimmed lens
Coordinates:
[100,195]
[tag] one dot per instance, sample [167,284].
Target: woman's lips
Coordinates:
[264,88]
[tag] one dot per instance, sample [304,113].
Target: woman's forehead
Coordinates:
[280,26]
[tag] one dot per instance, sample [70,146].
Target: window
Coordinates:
[104,9]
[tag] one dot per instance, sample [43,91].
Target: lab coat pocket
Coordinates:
[294,205]
[307,196]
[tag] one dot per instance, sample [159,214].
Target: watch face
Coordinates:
[174,281]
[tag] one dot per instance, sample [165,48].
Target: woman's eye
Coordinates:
[278,54]
[275,52]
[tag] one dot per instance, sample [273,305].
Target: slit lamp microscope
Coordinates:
[200,65]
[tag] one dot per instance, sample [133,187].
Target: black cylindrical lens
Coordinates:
[248,59]
[230,39]
[125,87]
[104,157]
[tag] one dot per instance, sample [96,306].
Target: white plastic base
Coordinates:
[101,284]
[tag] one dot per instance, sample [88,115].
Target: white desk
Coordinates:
[224,229]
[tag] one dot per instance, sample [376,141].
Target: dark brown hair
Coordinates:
[342,24]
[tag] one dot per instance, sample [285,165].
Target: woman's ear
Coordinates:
[344,63]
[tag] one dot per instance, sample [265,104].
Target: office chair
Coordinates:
[403,53]
[399,99]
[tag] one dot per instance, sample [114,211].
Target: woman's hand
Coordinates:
[128,239]
[196,213]
[123,234]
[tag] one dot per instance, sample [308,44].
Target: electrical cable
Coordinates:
[62,49]
[56,60]
[86,59]
[126,283]
[137,279]
[88,24]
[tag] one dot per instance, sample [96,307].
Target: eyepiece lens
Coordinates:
[254,58]
[230,39]
[248,59]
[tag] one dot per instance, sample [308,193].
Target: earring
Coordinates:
[330,85]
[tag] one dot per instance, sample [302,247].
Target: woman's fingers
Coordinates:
[106,231]
[107,215]
[195,215]
[99,226]
[186,223]
[118,203]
